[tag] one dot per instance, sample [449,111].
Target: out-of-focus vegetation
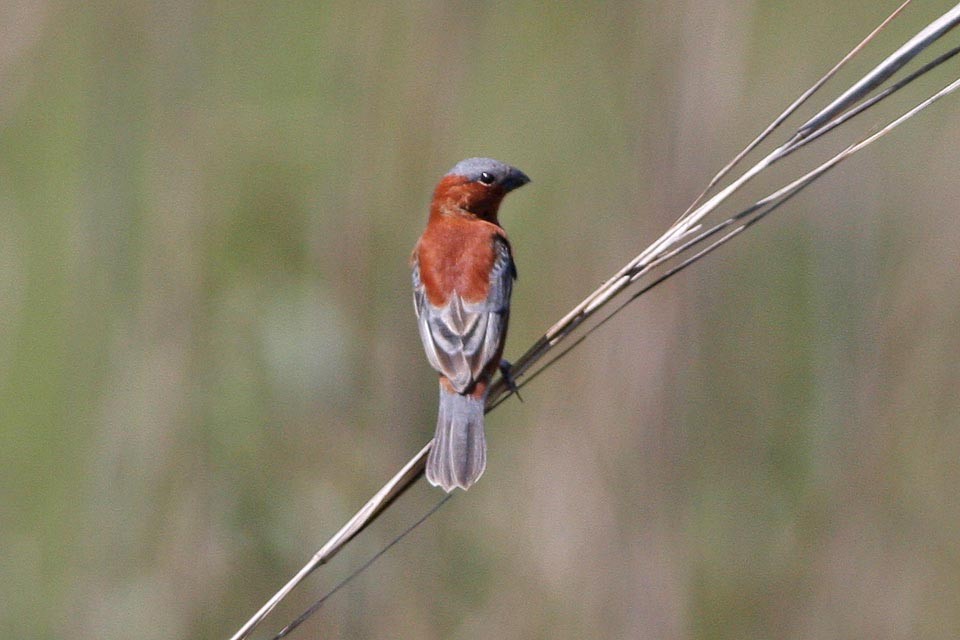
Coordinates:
[208,356]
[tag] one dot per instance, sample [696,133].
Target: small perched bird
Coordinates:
[463,273]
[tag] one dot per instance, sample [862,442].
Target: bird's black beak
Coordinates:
[514,180]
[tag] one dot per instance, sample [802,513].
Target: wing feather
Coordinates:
[461,338]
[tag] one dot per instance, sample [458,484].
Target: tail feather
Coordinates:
[459,452]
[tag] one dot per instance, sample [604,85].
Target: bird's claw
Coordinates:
[505,368]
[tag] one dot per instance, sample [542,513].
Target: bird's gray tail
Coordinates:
[459,452]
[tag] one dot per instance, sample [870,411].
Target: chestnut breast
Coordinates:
[456,255]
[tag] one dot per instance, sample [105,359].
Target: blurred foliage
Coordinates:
[208,358]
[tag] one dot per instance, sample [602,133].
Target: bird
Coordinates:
[463,273]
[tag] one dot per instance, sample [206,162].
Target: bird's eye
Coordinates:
[487,178]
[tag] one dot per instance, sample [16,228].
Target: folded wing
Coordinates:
[461,337]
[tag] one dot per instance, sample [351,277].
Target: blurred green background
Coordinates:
[209,360]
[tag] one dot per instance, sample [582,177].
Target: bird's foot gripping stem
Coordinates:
[505,371]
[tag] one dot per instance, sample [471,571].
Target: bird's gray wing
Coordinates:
[461,338]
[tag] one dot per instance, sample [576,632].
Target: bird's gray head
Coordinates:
[489,172]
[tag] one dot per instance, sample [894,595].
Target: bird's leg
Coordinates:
[505,368]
